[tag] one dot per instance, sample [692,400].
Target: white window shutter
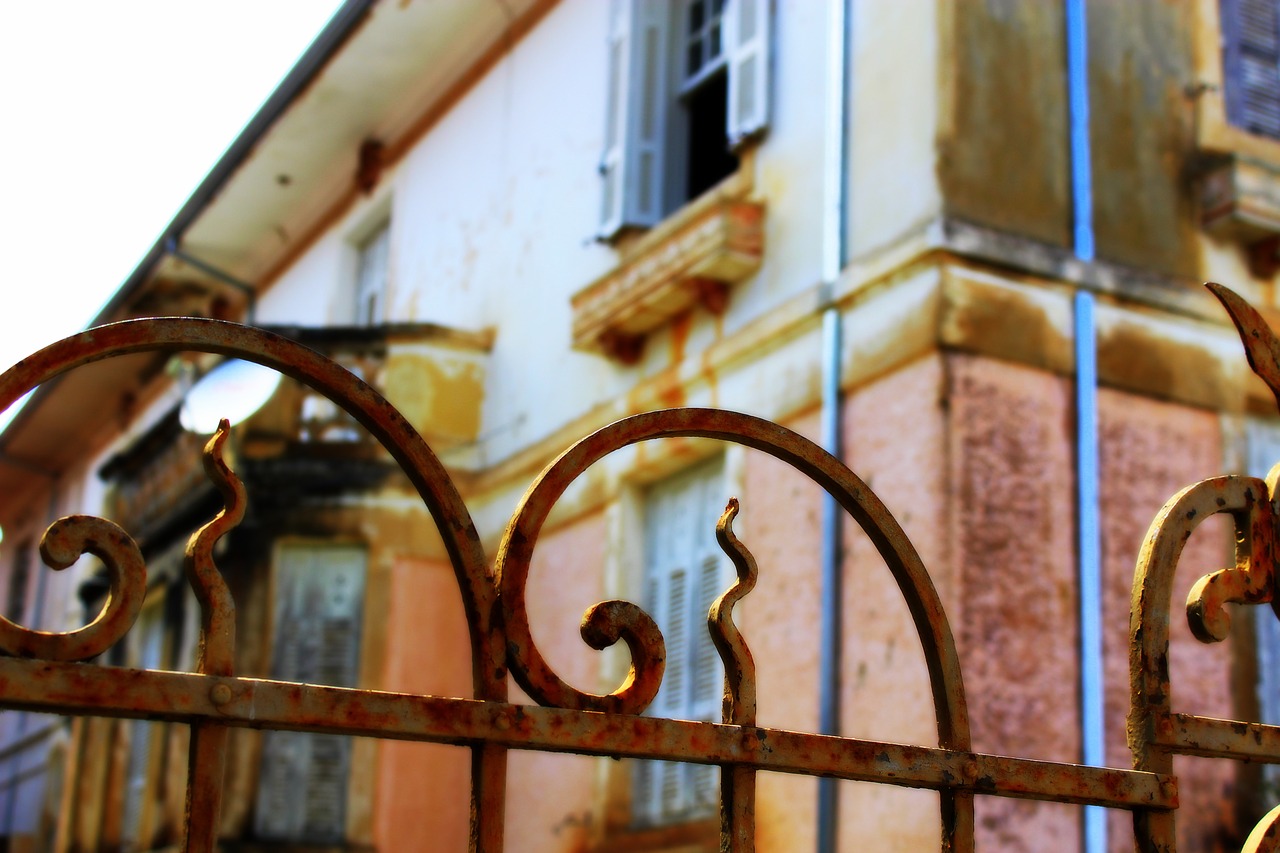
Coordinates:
[303,785]
[636,109]
[371,277]
[143,735]
[685,572]
[747,36]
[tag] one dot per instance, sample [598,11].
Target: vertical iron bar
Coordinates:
[207,766]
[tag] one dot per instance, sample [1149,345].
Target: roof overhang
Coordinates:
[379,71]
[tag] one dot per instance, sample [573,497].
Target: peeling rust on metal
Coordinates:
[40,671]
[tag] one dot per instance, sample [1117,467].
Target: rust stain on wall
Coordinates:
[440,397]
[1138,358]
[1006,161]
[1005,324]
[1141,140]
[1013,527]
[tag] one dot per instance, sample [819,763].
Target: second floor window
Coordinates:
[1251,64]
[371,277]
[687,83]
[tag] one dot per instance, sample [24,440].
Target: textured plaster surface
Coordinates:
[426,627]
[551,798]
[1003,159]
[1141,123]
[893,439]
[781,520]
[1012,524]
[1148,451]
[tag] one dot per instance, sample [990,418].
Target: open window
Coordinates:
[688,84]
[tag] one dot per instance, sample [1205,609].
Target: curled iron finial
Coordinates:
[62,544]
[739,666]
[1251,580]
[217,607]
[1261,346]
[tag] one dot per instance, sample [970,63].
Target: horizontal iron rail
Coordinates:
[87,689]
[1188,734]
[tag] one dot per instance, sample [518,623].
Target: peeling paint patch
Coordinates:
[441,396]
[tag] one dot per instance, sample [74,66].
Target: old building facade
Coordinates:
[523,220]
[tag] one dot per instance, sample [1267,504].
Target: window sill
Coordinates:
[701,836]
[692,258]
[1240,200]
[1239,187]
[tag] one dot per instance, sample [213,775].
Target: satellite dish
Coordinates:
[233,390]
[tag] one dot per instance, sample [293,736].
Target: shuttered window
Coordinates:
[1251,64]
[146,740]
[688,82]
[19,581]
[303,785]
[371,276]
[685,571]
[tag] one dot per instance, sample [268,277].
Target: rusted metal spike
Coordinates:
[1260,344]
[206,760]
[217,608]
[739,666]
[737,783]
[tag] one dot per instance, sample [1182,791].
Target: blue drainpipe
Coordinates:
[1090,562]
[834,224]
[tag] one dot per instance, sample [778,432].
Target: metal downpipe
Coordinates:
[834,225]
[1088,543]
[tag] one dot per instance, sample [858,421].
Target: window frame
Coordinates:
[639,161]
[679,539]
[276,742]
[150,644]
[370,289]
[1237,48]
[1215,134]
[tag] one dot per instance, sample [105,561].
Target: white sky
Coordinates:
[110,114]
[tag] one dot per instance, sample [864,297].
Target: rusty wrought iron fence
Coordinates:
[44,671]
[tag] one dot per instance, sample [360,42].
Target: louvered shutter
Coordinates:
[747,35]
[371,277]
[1251,64]
[685,572]
[303,785]
[635,122]
[142,734]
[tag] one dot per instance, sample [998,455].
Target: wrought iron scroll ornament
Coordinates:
[45,671]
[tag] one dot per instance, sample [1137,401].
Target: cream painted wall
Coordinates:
[494,214]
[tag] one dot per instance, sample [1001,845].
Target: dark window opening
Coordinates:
[707,153]
[16,605]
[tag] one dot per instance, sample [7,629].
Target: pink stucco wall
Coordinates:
[1012,529]
[551,799]
[1148,451]
[975,458]
[427,633]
